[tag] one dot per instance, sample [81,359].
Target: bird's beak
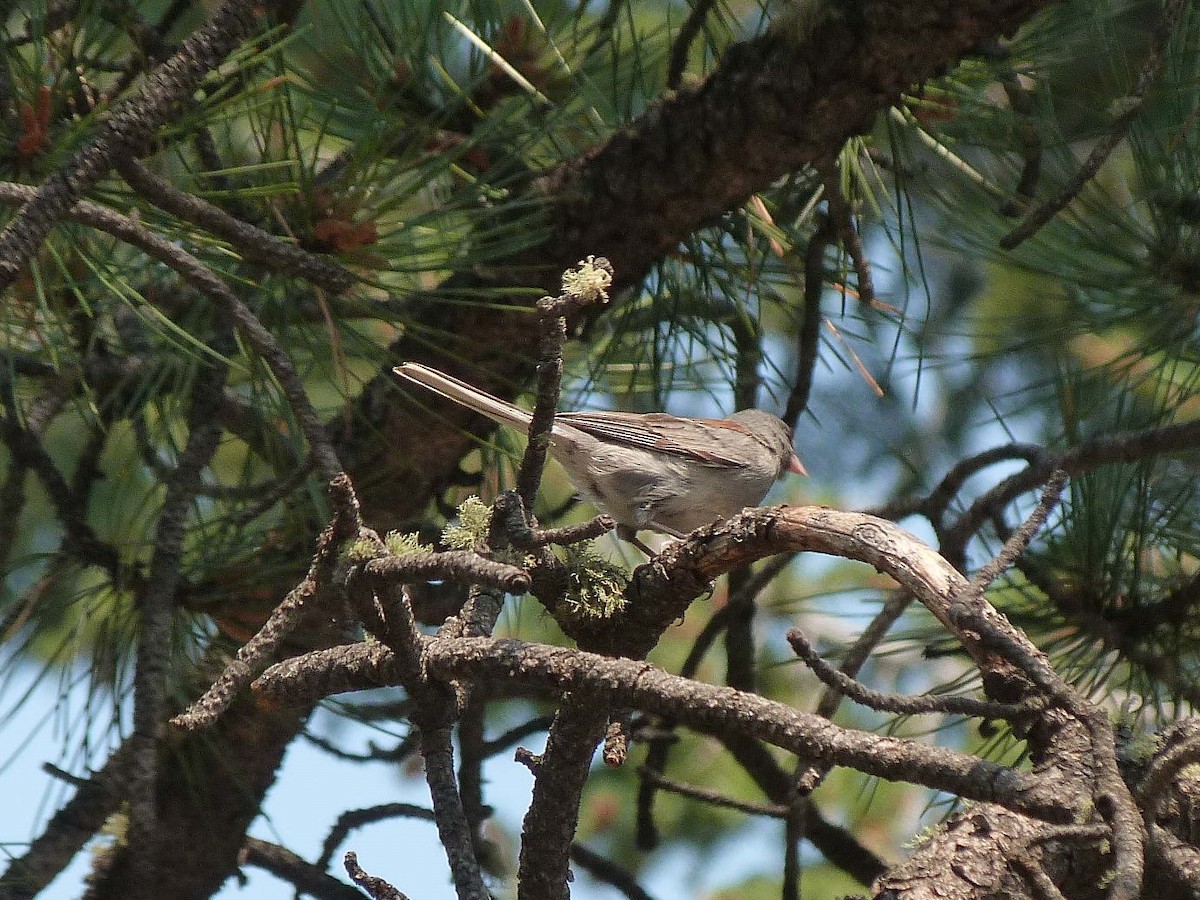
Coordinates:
[794,465]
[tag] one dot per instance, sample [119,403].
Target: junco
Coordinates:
[649,470]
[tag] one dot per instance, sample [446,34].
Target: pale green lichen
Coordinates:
[361,550]
[410,542]
[472,526]
[589,281]
[596,585]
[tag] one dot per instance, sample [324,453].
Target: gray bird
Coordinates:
[652,471]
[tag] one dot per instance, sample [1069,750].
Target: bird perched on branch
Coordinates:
[650,471]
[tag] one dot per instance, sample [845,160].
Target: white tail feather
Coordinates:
[462,393]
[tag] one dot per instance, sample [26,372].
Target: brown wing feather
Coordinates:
[680,437]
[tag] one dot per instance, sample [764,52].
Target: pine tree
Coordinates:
[953,244]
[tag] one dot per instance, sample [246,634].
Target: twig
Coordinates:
[321,673]
[809,335]
[862,647]
[616,738]
[842,217]
[311,880]
[376,887]
[260,246]
[27,451]
[582,286]
[12,493]
[740,653]
[343,526]
[793,837]
[1020,101]
[1131,107]
[604,869]
[502,742]
[711,797]
[835,843]
[808,774]
[933,506]
[471,720]
[683,42]
[357,818]
[1084,457]
[1019,540]
[909,706]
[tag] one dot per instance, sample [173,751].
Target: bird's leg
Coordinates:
[626,533]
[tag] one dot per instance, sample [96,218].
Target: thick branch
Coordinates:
[725,710]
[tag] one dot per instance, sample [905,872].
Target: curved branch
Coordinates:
[203,279]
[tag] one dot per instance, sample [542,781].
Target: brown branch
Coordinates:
[683,41]
[69,830]
[1020,101]
[842,217]
[383,604]
[713,798]
[376,887]
[721,710]
[1084,457]
[344,525]
[262,247]
[294,869]
[453,827]
[808,776]
[462,566]
[607,871]
[934,505]
[908,706]
[1018,541]
[357,818]
[158,608]
[809,335]
[203,279]
[37,418]
[27,452]
[513,522]
[835,843]
[548,830]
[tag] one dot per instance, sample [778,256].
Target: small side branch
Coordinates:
[260,246]
[344,526]
[1155,59]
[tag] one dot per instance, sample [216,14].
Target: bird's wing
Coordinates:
[667,434]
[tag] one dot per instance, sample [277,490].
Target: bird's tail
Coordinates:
[460,392]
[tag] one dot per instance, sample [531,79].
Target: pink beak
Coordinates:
[794,465]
